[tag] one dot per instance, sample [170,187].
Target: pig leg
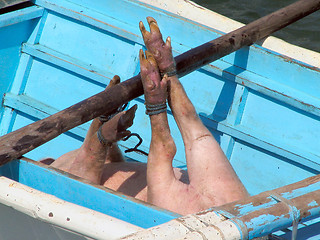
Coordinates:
[160,174]
[113,152]
[210,172]
[88,161]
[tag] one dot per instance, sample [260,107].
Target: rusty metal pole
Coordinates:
[277,209]
[21,141]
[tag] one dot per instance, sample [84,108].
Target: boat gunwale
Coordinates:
[198,14]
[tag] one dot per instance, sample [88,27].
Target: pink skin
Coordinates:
[210,181]
[105,164]
[88,161]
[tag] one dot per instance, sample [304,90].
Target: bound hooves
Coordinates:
[116,128]
[126,120]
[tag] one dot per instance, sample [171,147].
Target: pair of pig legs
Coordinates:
[212,180]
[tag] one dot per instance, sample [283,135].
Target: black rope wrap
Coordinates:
[153,109]
[169,73]
[102,140]
[104,118]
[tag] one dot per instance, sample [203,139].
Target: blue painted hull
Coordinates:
[72,189]
[262,107]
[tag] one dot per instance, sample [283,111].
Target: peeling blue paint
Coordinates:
[300,191]
[250,207]
[268,223]
[261,220]
[313,204]
[260,225]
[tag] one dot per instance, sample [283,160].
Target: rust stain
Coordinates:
[204,212]
[257,220]
[298,185]
[294,61]
[250,202]
[274,212]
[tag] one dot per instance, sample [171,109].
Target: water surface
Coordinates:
[304,33]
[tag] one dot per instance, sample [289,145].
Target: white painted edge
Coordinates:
[225,230]
[48,208]
[204,225]
[199,14]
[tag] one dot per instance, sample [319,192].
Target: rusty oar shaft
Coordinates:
[21,141]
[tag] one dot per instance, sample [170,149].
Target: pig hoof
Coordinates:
[161,50]
[155,88]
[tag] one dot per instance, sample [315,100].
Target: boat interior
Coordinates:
[262,107]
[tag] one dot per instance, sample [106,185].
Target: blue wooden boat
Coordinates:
[262,104]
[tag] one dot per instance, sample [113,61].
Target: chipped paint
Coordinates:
[252,224]
[313,204]
[261,223]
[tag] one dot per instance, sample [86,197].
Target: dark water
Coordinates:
[304,33]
